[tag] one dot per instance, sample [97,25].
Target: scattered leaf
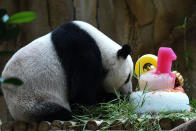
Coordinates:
[183,26]
[139,70]
[135,75]
[22,17]
[13,80]
[180,27]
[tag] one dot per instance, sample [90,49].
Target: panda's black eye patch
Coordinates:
[127,79]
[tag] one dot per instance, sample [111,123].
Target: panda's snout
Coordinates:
[126,89]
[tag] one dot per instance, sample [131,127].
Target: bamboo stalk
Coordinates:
[8,126]
[44,126]
[116,125]
[103,124]
[165,124]
[56,125]
[67,125]
[92,125]
[32,126]
[127,125]
[78,126]
[20,126]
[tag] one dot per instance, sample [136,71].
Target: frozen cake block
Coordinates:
[152,81]
[160,101]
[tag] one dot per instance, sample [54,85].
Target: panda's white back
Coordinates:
[37,65]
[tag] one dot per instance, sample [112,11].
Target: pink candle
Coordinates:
[161,78]
[165,58]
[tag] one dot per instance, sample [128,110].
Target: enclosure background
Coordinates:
[144,24]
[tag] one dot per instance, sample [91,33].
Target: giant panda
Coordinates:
[75,63]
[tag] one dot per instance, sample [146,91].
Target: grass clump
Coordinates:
[118,109]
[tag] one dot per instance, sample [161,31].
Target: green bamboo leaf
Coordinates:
[183,26]
[22,17]
[143,101]
[187,53]
[139,70]
[137,87]
[135,75]
[185,22]
[180,27]
[13,80]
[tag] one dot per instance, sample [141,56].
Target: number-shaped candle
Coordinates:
[161,78]
[165,57]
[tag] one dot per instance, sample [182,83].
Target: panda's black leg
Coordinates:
[49,111]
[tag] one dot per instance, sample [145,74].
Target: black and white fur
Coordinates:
[75,63]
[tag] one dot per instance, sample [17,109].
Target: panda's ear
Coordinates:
[124,51]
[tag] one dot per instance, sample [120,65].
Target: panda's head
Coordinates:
[120,72]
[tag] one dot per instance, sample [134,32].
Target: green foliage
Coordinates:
[22,17]
[193,104]
[123,109]
[187,52]
[139,70]
[176,116]
[13,80]
[119,108]
[189,63]
[183,26]
[188,60]
[8,29]
[135,75]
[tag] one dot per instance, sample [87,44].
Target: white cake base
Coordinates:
[160,101]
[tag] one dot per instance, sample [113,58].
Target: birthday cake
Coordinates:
[160,89]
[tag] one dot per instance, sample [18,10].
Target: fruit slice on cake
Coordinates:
[145,63]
